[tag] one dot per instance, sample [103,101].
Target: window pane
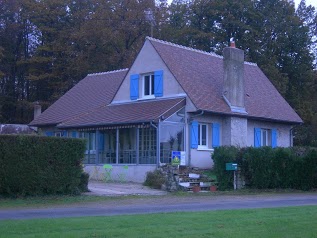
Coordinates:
[152,84]
[204,135]
[146,85]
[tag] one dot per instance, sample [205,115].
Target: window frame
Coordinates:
[151,79]
[200,135]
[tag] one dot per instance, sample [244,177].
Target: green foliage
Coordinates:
[84,179]
[221,156]
[33,165]
[268,168]
[155,179]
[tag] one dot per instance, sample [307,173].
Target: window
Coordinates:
[202,135]
[265,137]
[148,85]
[151,85]
[205,136]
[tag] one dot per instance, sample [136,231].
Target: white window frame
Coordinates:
[151,85]
[200,130]
[265,137]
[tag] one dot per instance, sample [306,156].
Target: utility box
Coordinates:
[231,166]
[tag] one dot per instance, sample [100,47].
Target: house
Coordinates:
[173,98]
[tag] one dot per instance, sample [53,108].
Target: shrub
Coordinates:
[84,179]
[34,165]
[221,156]
[265,167]
[155,179]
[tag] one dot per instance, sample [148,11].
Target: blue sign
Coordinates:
[176,157]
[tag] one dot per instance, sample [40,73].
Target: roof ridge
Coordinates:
[192,49]
[184,47]
[108,72]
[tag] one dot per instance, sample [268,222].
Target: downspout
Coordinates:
[189,144]
[157,142]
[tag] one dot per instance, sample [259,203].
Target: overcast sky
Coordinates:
[308,2]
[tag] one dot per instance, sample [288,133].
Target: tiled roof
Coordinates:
[136,112]
[93,91]
[201,76]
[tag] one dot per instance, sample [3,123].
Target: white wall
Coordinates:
[134,173]
[149,61]
[283,132]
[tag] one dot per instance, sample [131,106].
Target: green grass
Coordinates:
[278,222]
[45,201]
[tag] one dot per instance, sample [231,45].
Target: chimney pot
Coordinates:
[232,43]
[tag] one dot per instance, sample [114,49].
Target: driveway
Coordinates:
[121,189]
[164,204]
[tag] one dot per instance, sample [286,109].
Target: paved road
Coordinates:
[164,204]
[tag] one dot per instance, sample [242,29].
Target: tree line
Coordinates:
[47,46]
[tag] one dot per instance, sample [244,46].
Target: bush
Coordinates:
[84,179]
[221,156]
[267,168]
[34,165]
[155,179]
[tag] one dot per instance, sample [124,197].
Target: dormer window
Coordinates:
[151,85]
[148,85]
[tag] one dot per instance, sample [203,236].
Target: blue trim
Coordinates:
[257,137]
[134,86]
[215,135]
[158,83]
[74,134]
[274,138]
[49,133]
[194,135]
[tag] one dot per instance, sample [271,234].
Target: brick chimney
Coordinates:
[37,109]
[233,91]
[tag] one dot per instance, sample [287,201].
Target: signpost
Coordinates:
[233,167]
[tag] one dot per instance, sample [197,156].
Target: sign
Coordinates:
[176,157]
[183,158]
[231,166]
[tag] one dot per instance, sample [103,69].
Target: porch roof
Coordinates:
[127,113]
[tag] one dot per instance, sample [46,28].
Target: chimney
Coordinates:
[233,91]
[37,109]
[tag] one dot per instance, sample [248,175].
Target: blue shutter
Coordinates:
[49,133]
[64,133]
[74,134]
[274,138]
[194,135]
[257,137]
[158,83]
[215,135]
[134,86]
[101,142]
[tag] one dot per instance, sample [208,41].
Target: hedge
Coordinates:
[34,165]
[268,168]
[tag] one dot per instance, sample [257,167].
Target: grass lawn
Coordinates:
[277,222]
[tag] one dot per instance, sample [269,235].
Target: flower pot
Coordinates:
[196,189]
[213,188]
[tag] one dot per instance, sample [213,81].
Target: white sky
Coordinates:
[308,2]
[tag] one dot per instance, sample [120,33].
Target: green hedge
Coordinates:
[33,165]
[267,168]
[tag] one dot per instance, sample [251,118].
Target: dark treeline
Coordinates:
[47,46]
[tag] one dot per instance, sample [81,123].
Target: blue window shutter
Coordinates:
[215,135]
[74,134]
[49,133]
[101,142]
[194,135]
[274,138]
[257,137]
[64,133]
[134,86]
[158,83]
